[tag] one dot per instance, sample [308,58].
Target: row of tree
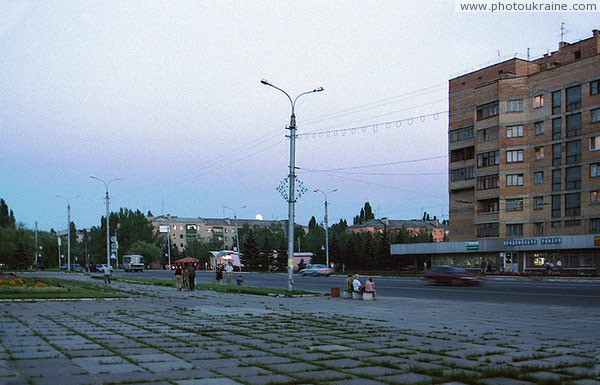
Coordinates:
[262,247]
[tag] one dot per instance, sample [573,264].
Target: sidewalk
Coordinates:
[162,336]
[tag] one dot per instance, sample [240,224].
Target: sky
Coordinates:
[167,97]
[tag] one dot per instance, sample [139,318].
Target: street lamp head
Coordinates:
[319,89]
[265,82]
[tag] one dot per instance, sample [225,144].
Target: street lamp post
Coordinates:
[237,237]
[292,179]
[107,198]
[326,225]
[68,230]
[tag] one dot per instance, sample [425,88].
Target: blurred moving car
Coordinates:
[315,270]
[451,275]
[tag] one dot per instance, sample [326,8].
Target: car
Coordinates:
[100,267]
[315,270]
[74,267]
[451,275]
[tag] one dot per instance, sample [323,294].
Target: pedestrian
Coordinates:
[349,280]
[240,280]
[185,274]
[229,272]
[106,271]
[356,284]
[370,287]
[178,277]
[559,266]
[192,276]
[219,274]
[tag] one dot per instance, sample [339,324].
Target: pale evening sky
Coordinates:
[166,95]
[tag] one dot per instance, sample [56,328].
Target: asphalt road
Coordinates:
[577,292]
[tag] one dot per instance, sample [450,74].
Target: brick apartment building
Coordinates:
[436,230]
[524,163]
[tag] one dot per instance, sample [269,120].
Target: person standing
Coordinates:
[229,273]
[219,274]
[192,276]
[106,271]
[185,274]
[178,277]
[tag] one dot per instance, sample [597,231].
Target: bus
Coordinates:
[133,263]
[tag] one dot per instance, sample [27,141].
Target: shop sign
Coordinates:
[472,245]
[596,240]
[532,242]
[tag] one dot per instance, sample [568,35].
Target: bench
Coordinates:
[368,296]
[357,295]
[346,294]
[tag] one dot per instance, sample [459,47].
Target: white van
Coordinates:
[133,262]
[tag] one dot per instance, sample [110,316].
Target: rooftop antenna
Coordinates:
[563,32]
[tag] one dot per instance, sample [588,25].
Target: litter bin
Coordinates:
[335,292]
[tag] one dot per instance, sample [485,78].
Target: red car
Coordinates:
[451,275]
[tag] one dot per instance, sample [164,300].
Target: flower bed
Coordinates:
[13,280]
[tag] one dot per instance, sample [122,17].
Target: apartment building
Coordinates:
[524,162]
[183,230]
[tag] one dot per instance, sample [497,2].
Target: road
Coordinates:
[577,292]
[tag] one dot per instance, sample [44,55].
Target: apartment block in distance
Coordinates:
[524,163]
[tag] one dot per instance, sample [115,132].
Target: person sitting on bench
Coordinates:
[370,286]
[356,284]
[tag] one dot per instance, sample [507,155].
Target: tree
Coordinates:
[199,250]
[150,252]
[366,214]
[250,258]
[7,217]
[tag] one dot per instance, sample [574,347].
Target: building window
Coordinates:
[555,224]
[573,125]
[595,115]
[514,180]
[572,205]
[538,228]
[594,87]
[487,159]
[487,206]
[573,222]
[514,156]
[487,134]
[538,101]
[573,154]
[485,230]
[539,153]
[514,205]
[514,105]
[595,224]
[595,143]
[556,207]
[556,182]
[573,178]
[463,133]
[556,103]
[594,170]
[556,128]
[573,95]
[538,177]
[487,110]
[514,230]
[461,174]
[538,203]
[539,128]
[514,131]
[595,197]
[487,182]
[556,154]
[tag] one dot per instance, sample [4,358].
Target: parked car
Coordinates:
[315,270]
[451,275]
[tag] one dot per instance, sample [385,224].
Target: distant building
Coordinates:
[524,164]
[183,230]
[414,227]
